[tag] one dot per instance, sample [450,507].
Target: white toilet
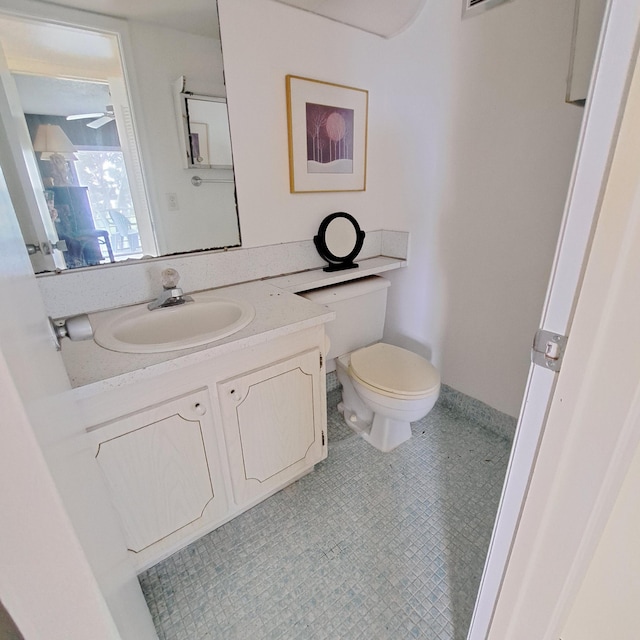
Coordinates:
[384,388]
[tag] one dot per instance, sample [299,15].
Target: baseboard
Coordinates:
[482,414]
[499,423]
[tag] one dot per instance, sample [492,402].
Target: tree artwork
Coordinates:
[329,139]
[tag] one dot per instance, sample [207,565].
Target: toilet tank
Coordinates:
[360,307]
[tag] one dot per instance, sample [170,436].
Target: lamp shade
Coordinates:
[51,139]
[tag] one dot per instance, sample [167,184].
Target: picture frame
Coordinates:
[199,135]
[327,126]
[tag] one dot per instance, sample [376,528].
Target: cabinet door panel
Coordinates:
[273,424]
[287,400]
[157,470]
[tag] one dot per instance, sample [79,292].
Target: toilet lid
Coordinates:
[394,370]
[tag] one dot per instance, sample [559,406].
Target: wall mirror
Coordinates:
[205,135]
[100,164]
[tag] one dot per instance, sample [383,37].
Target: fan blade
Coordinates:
[96,124]
[82,116]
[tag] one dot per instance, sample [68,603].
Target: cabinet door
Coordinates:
[274,424]
[161,469]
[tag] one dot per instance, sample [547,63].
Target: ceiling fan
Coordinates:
[101,117]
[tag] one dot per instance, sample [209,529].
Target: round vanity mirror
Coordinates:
[339,241]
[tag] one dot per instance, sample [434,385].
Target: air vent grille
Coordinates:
[472,7]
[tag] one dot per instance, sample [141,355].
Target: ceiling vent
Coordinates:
[381,17]
[473,7]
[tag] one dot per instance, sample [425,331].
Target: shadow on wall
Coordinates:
[510,162]
[8,629]
[419,143]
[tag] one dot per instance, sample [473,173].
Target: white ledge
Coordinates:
[316,278]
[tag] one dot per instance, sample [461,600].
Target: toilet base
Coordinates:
[386,434]
[383,426]
[382,433]
[352,420]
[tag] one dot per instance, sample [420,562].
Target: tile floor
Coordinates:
[370,545]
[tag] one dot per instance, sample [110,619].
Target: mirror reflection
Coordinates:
[84,171]
[340,237]
[206,140]
[104,177]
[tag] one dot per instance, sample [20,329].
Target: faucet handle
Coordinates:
[170,278]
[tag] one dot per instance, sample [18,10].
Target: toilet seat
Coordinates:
[394,372]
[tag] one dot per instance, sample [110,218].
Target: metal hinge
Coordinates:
[548,349]
[323,438]
[321,361]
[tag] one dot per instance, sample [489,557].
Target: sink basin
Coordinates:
[173,328]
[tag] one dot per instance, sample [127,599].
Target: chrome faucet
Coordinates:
[172,294]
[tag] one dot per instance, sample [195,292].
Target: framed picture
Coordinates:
[327,136]
[199,134]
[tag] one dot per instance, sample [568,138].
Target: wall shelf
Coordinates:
[316,278]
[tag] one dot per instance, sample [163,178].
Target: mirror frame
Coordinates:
[338,263]
[184,97]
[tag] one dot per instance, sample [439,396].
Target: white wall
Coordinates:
[470,149]
[508,162]
[262,42]
[207,213]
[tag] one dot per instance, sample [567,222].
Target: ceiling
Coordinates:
[199,17]
[62,70]
[59,96]
[381,17]
[49,49]
[59,70]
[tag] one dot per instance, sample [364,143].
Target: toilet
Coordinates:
[384,387]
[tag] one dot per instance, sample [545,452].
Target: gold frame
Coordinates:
[299,91]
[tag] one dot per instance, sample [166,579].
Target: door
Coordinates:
[23,179]
[603,114]
[39,417]
[163,473]
[272,425]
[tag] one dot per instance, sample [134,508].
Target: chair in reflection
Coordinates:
[75,225]
[125,231]
[84,248]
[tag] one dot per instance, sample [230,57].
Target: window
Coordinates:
[103,173]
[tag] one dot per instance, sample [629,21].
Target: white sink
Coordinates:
[187,325]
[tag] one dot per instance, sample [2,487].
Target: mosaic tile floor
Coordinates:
[370,545]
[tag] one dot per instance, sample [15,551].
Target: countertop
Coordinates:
[278,312]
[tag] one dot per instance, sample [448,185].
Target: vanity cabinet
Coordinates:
[272,425]
[160,466]
[237,427]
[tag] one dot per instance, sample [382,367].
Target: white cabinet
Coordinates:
[238,428]
[272,425]
[160,466]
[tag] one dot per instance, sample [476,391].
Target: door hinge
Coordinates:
[323,438]
[321,361]
[548,349]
